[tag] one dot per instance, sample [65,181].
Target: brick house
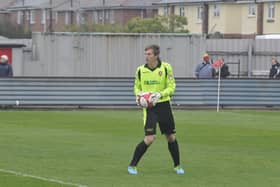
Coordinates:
[55,15]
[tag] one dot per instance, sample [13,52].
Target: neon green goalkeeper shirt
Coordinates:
[160,79]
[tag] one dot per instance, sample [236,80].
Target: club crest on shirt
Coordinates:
[160,73]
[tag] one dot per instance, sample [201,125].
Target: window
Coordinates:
[182,11]
[82,18]
[199,14]
[271,10]
[56,17]
[66,18]
[100,16]
[95,17]
[252,10]
[107,14]
[112,19]
[32,16]
[27,15]
[19,17]
[216,11]
[43,18]
[166,11]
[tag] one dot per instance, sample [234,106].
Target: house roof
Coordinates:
[60,5]
[164,2]
[115,4]
[6,3]
[36,4]
[186,1]
[121,3]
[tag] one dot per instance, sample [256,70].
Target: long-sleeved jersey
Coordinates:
[160,79]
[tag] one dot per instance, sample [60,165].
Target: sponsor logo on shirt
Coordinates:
[151,82]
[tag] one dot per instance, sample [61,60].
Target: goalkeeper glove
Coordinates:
[155,97]
[137,97]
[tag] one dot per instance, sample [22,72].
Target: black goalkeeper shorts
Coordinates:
[161,114]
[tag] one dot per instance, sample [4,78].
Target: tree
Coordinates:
[11,30]
[159,24]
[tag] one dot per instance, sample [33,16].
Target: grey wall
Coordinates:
[118,55]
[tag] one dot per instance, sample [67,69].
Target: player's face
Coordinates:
[150,56]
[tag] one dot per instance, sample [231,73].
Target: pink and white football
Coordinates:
[145,100]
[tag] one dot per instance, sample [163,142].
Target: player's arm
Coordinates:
[170,83]
[137,82]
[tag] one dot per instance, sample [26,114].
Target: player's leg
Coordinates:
[167,127]
[173,148]
[141,148]
[150,121]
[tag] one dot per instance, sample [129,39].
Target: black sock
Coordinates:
[138,153]
[174,151]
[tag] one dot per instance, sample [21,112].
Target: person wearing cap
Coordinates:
[205,70]
[6,69]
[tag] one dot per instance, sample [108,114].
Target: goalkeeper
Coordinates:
[157,77]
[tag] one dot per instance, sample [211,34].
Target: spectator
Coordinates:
[224,69]
[6,69]
[204,70]
[274,72]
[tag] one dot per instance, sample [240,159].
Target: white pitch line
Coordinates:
[42,178]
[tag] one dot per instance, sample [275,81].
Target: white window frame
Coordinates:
[271,11]
[19,17]
[199,14]
[166,11]
[66,17]
[112,18]
[182,11]
[216,10]
[56,17]
[252,10]
[32,16]
[78,18]
[43,17]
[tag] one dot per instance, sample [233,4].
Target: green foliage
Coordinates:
[152,25]
[89,27]
[10,30]
[159,24]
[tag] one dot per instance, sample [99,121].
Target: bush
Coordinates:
[10,30]
[159,24]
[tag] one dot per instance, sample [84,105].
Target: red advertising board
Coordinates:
[8,52]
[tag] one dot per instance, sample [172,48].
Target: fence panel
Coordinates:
[118,55]
[118,92]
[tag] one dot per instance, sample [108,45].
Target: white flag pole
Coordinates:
[219,85]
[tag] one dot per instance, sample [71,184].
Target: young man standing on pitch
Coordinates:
[157,77]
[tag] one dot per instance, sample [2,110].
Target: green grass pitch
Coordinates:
[93,148]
